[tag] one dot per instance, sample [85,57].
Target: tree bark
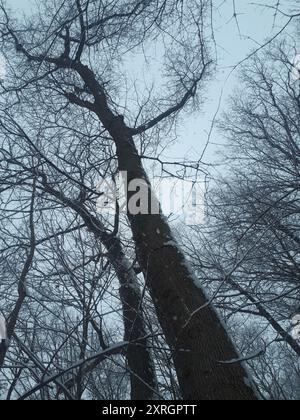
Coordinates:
[139,357]
[194,331]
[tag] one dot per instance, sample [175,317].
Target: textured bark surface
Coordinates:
[143,379]
[2,352]
[193,330]
[139,358]
[199,341]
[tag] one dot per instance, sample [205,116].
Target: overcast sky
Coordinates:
[256,25]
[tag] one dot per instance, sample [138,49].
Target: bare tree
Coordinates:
[64,63]
[249,248]
[143,382]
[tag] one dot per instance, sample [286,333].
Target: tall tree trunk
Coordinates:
[139,357]
[194,331]
[142,371]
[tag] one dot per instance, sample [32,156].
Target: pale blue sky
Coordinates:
[256,25]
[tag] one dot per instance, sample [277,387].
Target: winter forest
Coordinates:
[149,200]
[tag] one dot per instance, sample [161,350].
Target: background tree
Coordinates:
[249,248]
[73,67]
